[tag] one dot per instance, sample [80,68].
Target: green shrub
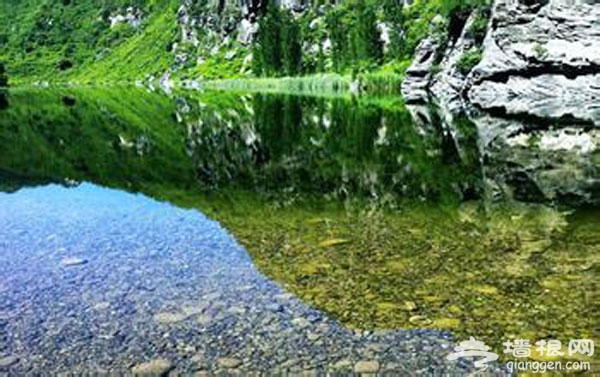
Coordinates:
[540,51]
[469,60]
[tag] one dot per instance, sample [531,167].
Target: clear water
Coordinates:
[350,229]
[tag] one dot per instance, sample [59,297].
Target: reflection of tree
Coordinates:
[3,99]
[345,148]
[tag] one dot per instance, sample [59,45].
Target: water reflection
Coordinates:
[339,148]
[380,215]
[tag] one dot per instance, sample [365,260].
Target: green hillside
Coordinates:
[116,40]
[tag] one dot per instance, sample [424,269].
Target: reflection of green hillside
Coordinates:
[116,138]
[261,166]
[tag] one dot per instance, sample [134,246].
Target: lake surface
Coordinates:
[211,231]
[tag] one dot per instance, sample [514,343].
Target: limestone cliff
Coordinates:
[539,58]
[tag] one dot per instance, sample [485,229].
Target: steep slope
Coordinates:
[56,39]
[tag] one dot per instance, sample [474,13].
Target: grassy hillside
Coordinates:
[65,39]
[116,40]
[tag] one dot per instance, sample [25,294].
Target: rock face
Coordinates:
[541,58]
[415,87]
[448,85]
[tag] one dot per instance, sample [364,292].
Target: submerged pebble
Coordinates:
[7,361]
[366,367]
[156,367]
[73,261]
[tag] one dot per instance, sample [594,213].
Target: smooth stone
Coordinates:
[169,317]
[366,367]
[229,362]
[343,364]
[73,261]
[419,320]
[156,367]
[7,361]
[101,306]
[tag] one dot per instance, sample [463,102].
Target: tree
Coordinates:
[355,37]
[393,16]
[291,46]
[3,76]
[278,46]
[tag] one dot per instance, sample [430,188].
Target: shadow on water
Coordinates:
[382,216]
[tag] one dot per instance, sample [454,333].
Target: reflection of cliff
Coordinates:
[547,164]
[529,161]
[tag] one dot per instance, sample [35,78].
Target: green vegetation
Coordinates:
[469,60]
[478,29]
[355,39]
[540,51]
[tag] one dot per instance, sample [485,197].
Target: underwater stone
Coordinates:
[156,367]
[366,367]
[229,362]
[7,361]
[73,261]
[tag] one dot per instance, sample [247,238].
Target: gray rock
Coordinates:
[415,87]
[541,59]
[448,85]
[366,367]
[229,362]
[342,365]
[156,367]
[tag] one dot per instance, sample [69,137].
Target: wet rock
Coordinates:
[366,367]
[101,306]
[409,306]
[229,362]
[342,365]
[156,367]
[419,320]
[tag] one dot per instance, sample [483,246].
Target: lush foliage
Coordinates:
[355,38]
[278,47]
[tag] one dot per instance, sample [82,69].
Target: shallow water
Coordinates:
[354,215]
